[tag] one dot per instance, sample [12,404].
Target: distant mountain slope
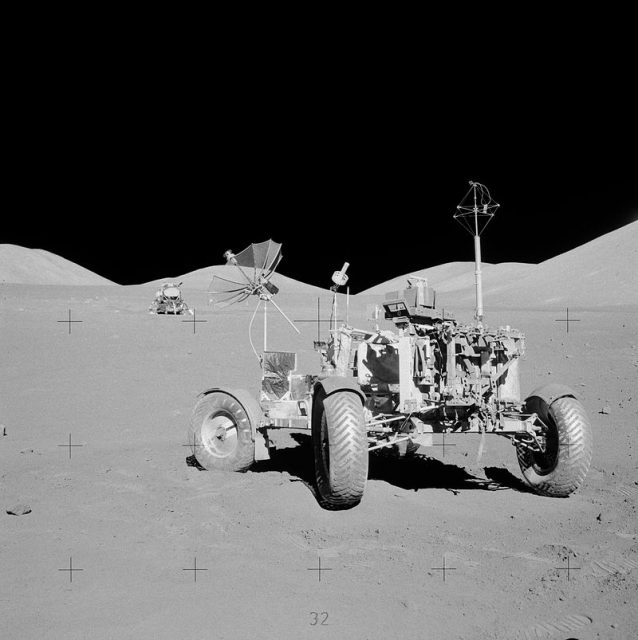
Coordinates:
[435,275]
[201,279]
[35,266]
[600,273]
[495,276]
[456,276]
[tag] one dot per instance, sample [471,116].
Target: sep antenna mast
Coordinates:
[474,213]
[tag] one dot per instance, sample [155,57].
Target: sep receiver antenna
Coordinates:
[255,266]
[474,213]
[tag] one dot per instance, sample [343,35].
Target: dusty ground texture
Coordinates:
[134,516]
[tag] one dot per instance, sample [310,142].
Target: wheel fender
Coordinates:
[548,393]
[244,398]
[339,383]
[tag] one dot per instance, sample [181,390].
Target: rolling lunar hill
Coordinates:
[600,273]
[19,265]
[202,278]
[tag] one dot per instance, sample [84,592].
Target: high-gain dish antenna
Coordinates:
[474,213]
[255,267]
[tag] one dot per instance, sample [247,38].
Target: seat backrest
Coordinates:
[377,363]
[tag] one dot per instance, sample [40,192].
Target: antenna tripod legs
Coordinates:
[265,300]
[290,322]
[250,331]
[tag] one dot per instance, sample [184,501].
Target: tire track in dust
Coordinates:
[519,555]
[628,492]
[557,629]
[598,568]
[353,550]
[620,566]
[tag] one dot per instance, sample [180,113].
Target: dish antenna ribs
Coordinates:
[255,267]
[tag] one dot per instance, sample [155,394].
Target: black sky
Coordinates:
[143,176]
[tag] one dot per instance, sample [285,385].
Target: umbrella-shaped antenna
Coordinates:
[255,266]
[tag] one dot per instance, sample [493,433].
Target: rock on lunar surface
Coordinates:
[19,510]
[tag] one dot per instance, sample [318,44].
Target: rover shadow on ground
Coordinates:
[413,473]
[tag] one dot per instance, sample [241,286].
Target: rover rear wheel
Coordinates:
[340,446]
[562,468]
[220,433]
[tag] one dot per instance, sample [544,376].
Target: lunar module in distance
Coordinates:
[168,300]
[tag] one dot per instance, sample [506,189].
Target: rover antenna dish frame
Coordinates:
[256,264]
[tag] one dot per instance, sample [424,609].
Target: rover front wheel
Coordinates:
[562,468]
[340,446]
[220,433]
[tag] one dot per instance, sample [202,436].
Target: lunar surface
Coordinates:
[110,531]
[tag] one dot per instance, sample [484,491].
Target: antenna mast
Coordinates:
[339,279]
[474,213]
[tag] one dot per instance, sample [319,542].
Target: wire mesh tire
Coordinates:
[340,446]
[220,433]
[562,468]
